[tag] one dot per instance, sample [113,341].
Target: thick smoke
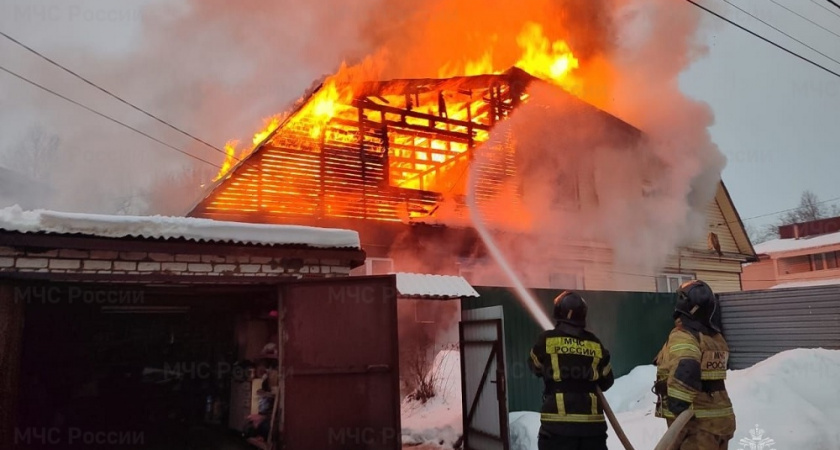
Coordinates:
[216,68]
[643,196]
[213,68]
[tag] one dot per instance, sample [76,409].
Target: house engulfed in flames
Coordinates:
[390,159]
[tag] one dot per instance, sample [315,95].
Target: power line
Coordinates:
[776,212]
[22,78]
[107,92]
[824,7]
[780,31]
[763,38]
[834,3]
[803,17]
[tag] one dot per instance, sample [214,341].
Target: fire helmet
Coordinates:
[696,301]
[571,308]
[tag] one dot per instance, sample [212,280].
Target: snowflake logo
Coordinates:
[757,441]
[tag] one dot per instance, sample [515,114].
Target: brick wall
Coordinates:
[139,263]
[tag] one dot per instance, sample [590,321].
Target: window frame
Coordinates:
[577,273]
[368,266]
[678,277]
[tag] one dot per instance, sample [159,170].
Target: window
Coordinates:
[831,260]
[565,280]
[796,264]
[823,261]
[375,266]
[670,282]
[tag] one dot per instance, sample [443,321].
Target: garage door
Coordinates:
[340,361]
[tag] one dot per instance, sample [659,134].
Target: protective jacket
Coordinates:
[572,362]
[691,369]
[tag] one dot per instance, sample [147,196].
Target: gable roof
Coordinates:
[734,222]
[352,170]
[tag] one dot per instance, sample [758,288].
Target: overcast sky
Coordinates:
[777,118]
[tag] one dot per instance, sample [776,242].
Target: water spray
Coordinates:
[522,293]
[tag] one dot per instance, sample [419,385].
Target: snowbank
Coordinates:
[162,227]
[793,397]
[438,421]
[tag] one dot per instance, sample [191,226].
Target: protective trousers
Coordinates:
[693,438]
[554,442]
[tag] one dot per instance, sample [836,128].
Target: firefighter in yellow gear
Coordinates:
[573,364]
[691,371]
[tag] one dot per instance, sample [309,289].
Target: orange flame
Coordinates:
[271,124]
[542,58]
[419,162]
[551,61]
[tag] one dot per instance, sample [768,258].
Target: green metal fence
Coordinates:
[632,325]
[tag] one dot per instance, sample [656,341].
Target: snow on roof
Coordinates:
[162,227]
[788,245]
[809,283]
[433,286]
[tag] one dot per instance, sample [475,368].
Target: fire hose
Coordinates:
[614,421]
[668,440]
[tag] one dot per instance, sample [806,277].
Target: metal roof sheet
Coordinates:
[183,228]
[418,285]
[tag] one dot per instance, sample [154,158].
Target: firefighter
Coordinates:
[691,369]
[572,363]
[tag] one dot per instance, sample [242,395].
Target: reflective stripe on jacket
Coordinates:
[572,363]
[692,366]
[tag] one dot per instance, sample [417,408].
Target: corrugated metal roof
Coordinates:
[186,228]
[418,285]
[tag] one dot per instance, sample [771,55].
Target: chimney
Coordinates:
[796,231]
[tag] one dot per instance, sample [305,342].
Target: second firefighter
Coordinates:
[572,363]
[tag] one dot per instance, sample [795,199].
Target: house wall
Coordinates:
[106,262]
[793,265]
[760,275]
[788,267]
[440,250]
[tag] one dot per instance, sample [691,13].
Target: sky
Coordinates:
[777,118]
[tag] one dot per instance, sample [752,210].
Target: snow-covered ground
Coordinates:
[438,421]
[793,398]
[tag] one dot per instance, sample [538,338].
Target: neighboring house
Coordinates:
[391,160]
[806,254]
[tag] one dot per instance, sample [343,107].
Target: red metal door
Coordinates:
[340,362]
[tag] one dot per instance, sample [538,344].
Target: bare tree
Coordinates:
[762,233]
[34,155]
[810,208]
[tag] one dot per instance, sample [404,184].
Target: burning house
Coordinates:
[396,160]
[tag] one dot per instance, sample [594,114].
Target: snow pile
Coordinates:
[787,245]
[632,391]
[793,397]
[163,227]
[438,421]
